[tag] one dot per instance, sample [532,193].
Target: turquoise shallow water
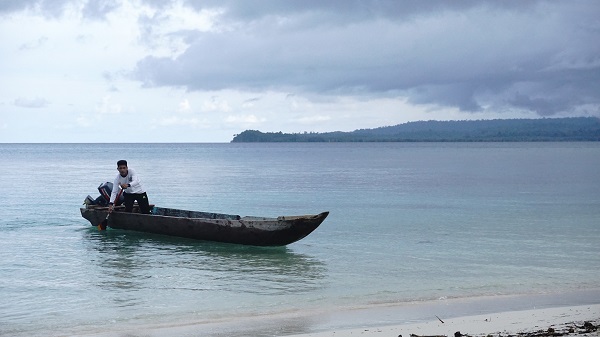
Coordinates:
[408,223]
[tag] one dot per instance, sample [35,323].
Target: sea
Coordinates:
[415,230]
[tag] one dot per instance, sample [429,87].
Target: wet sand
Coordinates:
[581,320]
[562,321]
[554,314]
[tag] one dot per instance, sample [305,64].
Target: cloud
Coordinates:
[86,120]
[447,54]
[249,103]
[184,106]
[49,8]
[335,65]
[312,119]
[34,44]
[106,106]
[99,8]
[244,120]
[215,104]
[34,103]
[179,121]
[337,12]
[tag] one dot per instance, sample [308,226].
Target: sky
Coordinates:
[204,70]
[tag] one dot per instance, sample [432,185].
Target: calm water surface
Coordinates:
[408,222]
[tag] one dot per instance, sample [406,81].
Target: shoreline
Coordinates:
[560,321]
[573,320]
[471,316]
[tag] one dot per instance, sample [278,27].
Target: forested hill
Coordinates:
[498,130]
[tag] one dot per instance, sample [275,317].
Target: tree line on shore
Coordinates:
[497,130]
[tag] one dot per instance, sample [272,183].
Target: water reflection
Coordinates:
[138,263]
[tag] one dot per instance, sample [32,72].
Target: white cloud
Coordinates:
[34,44]
[166,30]
[185,122]
[87,120]
[312,119]
[215,104]
[184,106]
[244,120]
[108,107]
[31,102]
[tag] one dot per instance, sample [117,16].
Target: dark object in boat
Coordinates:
[105,190]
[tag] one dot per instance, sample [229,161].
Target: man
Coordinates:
[132,187]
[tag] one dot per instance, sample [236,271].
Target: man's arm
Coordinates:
[115,191]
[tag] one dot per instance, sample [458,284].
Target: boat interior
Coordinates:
[192,214]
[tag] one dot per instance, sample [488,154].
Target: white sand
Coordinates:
[473,317]
[507,322]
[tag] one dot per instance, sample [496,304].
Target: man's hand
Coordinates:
[110,208]
[124,186]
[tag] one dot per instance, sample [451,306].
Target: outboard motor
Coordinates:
[105,190]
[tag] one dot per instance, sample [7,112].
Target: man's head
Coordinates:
[122,167]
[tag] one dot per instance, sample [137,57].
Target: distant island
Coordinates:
[497,130]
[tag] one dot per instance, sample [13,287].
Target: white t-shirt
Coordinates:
[135,185]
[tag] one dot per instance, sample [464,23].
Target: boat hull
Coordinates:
[254,231]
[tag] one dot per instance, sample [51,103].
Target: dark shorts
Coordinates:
[141,198]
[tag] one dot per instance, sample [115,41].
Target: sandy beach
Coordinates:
[574,320]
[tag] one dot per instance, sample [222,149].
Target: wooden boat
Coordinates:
[248,230]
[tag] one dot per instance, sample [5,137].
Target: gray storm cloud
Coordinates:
[539,56]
